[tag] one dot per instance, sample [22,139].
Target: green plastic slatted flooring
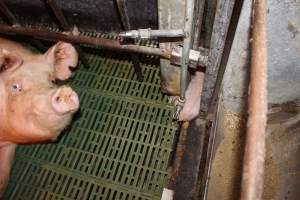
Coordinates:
[118,148]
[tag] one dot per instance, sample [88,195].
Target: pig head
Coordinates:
[32,108]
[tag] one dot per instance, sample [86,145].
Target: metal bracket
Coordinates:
[178,108]
[196,58]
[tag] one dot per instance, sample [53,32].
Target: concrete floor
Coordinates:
[282,165]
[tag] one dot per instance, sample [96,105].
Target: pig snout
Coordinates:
[65,100]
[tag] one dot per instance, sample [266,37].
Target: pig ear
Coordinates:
[9,60]
[62,56]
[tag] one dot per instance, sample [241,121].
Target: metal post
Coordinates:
[126,26]
[105,43]
[123,14]
[150,34]
[188,27]
[224,10]
[253,166]
[8,14]
[59,15]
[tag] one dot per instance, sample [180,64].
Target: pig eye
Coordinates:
[16,87]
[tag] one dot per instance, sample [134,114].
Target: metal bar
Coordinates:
[82,57]
[180,148]
[209,154]
[174,56]
[208,23]
[8,14]
[137,67]
[105,43]
[254,157]
[225,56]
[220,28]
[149,34]
[121,4]
[123,14]
[187,177]
[59,15]
[198,18]
[188,27]
[212,117]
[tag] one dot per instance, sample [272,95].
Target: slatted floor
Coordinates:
[118,147]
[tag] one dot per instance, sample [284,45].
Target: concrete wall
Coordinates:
[283,144]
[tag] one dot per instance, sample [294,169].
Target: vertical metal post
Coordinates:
[188,27]
[123,14]
[8,14]
[59,15]
[126,26]
[221,25]
[253,166]
[198,16]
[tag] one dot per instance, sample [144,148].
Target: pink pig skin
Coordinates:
[32,108]
[193,93]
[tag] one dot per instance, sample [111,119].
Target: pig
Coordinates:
[191,107]
[32,108]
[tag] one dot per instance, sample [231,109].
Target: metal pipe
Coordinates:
[8,14]
[123,14]
[149,34]
[105,43]
[124,19]
[188,26]
[59,15]
[174,55]
[198,19]
[222,21]
[253,166]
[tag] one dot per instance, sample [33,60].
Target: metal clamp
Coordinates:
[178,108]
[149,34]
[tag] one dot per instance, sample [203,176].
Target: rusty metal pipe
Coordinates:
[105,43]
[253,166]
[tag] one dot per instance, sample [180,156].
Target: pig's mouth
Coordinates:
[65,100]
